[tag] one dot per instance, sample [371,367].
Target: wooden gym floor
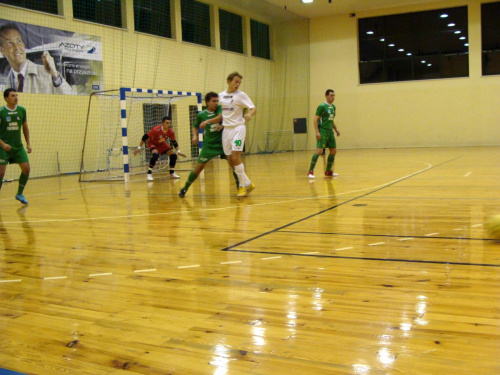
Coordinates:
[386,269]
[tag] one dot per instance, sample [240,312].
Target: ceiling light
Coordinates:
[444,15]
[463,38]
[429,64]
[401,50]
[451,24]
[369,32]
[382,40]
[458,32]
[408,54]
[466,44]
[423,61]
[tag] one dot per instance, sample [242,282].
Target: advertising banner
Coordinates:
[39,59]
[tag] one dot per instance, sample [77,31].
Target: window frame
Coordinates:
[414,46]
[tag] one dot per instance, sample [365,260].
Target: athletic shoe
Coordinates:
[21,199]
[173,175]
[311,174]
[182,193]
[250,187]
[330,174]
[242,192]
[149,177]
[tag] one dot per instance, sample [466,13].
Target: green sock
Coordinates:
[1,182]
[191,178]
[23,180]
[236,179]
[329,162]
[313,161]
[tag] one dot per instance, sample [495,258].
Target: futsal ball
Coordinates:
[493,225]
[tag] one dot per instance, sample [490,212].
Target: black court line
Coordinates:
[369,258]
[389,235]
[229,248]
[232,248]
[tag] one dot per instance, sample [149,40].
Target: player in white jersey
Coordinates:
[233,103]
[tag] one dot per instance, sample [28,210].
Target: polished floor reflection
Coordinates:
[386,269]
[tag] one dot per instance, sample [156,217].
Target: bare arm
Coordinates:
[194,136]
[215,120]
[248,116]
[335,128]
[5,146]
[141,143]
[26,132]
[316,127]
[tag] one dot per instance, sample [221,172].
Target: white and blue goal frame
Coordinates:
[123,110]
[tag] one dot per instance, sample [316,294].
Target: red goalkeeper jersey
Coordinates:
[158,138]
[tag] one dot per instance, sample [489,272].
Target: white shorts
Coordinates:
[233,139]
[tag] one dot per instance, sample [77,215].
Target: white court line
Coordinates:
[192,266]
[430,234]
[100,274]
[11,281]
[457,229]
[344,248]
[55,278]
[467,174]
[376,243]
[232,262]
[148,270]
[270,258]
[476,225]
[406,239]
[209,209]
[312,252]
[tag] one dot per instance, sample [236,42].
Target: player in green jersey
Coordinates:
[324,125]
[12,120]
[208,120]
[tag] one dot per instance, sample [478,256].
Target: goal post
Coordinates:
[117,119]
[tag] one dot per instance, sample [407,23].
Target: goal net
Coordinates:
[116,122]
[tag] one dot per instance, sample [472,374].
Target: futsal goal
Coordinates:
[116,122]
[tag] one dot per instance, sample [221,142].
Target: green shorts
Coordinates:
[208,153]
[327,139]
[14,156]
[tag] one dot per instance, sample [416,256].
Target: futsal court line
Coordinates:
[148,214]
[368,258]
[378,188]
[400,238]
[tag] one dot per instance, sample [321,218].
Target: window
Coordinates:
[195,22]
[490,31]
[106,12]
[153,17]
[47,6]
[231,31]
[413,46]
[260,40]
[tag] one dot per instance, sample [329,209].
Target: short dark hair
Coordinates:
[166,118]
[7,92]
[234,74]
[328,92]
[9,26]
[210,95]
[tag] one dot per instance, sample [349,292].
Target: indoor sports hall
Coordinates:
[388,268]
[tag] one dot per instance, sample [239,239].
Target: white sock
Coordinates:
[240,171]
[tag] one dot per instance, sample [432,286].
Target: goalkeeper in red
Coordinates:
[157,144]
[324,125]
[210,121]
[12,120]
